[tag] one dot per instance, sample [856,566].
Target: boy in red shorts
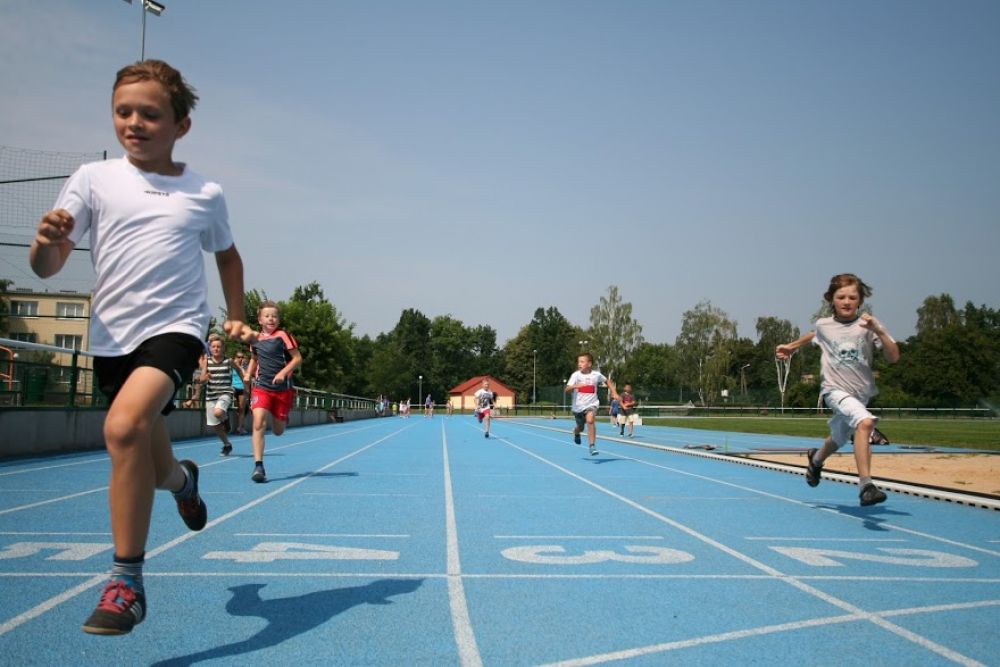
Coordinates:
[274,356]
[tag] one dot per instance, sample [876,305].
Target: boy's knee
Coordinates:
[278,427]
[120,432]
[866,424]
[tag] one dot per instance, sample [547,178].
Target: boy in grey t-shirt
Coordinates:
[848,341]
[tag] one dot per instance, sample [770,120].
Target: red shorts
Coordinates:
[278,403]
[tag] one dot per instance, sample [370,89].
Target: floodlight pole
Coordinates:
[534,372]
[152,7]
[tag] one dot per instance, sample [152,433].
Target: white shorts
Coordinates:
[223,403]
[848,412]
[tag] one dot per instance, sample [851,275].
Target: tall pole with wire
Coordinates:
[534,373]
[154,8]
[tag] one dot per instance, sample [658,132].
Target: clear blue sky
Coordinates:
[483,159]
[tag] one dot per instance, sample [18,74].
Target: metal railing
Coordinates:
[32,383]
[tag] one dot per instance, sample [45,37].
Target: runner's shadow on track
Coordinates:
[598,459]
[292,616]
[873,517]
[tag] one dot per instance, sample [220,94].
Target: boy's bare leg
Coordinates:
[137,456]
[278,426]
[862,447]
[259,426]
[591,428]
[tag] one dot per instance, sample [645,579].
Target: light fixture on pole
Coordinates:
[420,388]
[534,373]
[743,378]
[154,8]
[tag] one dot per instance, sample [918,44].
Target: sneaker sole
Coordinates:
[813,478]
[881,498]
[199,521]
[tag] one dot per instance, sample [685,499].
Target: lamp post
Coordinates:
[420,389]
[743,378]
[564,394]
[154,8]
[534,373]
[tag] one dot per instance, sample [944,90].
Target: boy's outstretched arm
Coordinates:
[51,245]
[890,349]
[785,350]
[231,275]
[613,389]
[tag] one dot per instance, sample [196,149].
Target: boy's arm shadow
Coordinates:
[291,616]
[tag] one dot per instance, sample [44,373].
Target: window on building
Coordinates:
[24,308]
[24,336]
[69,309]
[69,341]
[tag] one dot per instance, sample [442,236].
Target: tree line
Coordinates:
[953,360]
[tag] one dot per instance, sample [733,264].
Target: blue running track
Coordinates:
[420,542]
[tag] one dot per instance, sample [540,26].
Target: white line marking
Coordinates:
[202,465]
[77,590]
[365,495]
[40,503]
[51,603]
[756,564]
[319,535]
[14,532]
[826,539]
[516,577]
[578,537]
[465,637]
[760,631]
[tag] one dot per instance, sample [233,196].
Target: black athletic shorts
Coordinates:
[175,354]
[581,417]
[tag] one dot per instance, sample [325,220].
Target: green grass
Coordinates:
[976,434]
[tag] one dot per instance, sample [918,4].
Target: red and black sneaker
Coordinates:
[121,608]
[192,509]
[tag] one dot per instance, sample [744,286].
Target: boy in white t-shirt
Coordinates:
[848,341]
[483,399]
[584,384]
[147,220]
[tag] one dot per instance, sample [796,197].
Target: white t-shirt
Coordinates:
[586,399]
[146,234]
[846,364]
[483,398]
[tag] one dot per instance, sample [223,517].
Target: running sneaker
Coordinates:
[226,450]
[258,474]
[877,437]
[813,472]
[192,509]
[593,450]
[121,608]
[486,435]
[576,438]
[871,495]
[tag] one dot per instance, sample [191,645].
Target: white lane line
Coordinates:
[77,590]
[465,638]
[578,537]
[515,577]
[40,503]
[208,464]
[795,582]
[808,505]
[25,532]
[362,535]
[826,539]
[760,631]
[51,603]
